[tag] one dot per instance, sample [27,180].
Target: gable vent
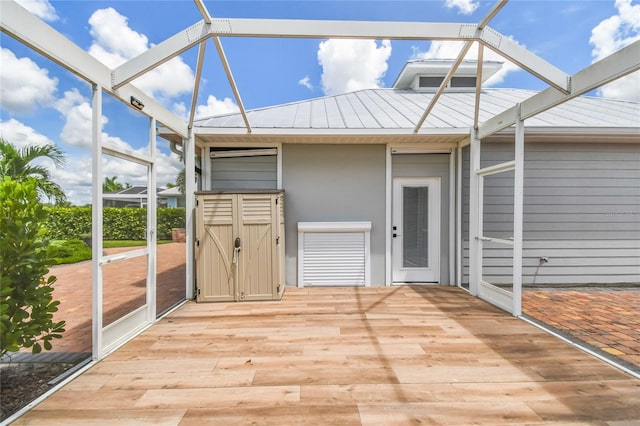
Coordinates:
[334,254]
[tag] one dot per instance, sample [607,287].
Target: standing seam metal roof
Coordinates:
[401,109]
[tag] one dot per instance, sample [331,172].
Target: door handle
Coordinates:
[236,249]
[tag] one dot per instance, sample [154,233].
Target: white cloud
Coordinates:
[41,8]
[78,114]
[611,35]
[349,65]
[305,81]
[466,7]
[180,109]
[216,106]
[451,50]
[23,84]
[75,178]
[114,42]
[21,135]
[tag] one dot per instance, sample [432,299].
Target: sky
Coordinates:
[41,102]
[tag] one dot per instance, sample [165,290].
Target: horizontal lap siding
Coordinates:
[260,172]
[581,211]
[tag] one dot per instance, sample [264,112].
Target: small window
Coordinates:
[463,82]
[430,81]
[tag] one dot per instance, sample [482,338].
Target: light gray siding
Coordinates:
[334,183]
[259,172]
[430,165]
[581,212]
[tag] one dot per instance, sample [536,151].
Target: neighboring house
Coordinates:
[136,196]
[354,157]
[171,197]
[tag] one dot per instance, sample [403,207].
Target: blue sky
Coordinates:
[42,103]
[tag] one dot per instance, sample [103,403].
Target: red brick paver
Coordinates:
[606,319]
[123,291]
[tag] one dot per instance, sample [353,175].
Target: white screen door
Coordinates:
[416,230]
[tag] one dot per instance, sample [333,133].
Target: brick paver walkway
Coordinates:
[607,320]
[124,290]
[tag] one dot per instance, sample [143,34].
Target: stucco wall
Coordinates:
[334,183]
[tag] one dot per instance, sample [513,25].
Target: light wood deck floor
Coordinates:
[398,355]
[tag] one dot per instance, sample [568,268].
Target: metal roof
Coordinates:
[332,114]
[393,110]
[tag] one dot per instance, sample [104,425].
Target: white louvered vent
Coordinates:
[334,253]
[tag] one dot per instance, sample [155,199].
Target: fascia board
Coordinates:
[614,66]
[20,24]
[329,132]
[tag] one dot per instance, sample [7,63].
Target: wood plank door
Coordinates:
[215,268]
[256,268]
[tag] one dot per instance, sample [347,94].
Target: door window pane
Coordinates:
[415,227]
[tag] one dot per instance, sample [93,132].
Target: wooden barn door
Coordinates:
[215,248]
[256,267]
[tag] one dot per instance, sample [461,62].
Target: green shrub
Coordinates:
[26,297]
[69,251]
[65,223]
[119,223]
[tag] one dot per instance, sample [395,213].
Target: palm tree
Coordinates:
[111,184]
[17,164]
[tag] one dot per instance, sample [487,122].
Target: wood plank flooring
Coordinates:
[323,356]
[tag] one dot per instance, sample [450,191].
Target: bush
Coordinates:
[26,297]
[69,251]
[65,223]
[119,223]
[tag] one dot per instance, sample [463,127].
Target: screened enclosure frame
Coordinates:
[35,34]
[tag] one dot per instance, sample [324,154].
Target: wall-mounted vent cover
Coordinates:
[334,254]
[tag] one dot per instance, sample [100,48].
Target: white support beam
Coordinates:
[519,55]
[232,82]
[458,256]
[497,7]
[496,240]
[376,30]
[476,103]
[518,209]
[475,216]
[496,168]
[189,37]
[152,225]
[443,85]
[614,66]
[203,11]
[160,53]
[196,84]
[96,221]
[189,189]
[20,24]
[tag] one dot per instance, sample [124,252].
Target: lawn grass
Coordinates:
[73,251]
[128,243]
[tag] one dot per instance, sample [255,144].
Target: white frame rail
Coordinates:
[510,301]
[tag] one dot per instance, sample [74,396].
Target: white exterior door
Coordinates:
[416,230]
